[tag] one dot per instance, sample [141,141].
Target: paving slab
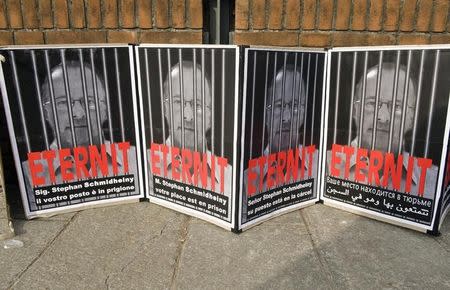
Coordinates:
[126,246]
[361,253]
[36,235]
[270,255]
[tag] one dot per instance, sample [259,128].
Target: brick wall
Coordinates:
[325,23]
[263,22]
[89,21]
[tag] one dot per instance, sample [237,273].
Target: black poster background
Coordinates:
[256,141]
[30,102]
[220,78]
[347,130]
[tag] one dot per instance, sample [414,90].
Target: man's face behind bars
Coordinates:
[287,111]
[385,107]
[190,108]
[79,109]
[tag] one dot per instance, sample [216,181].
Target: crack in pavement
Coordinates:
[323,262]
[138,252]
[442,244]
[19,276]
[183,237]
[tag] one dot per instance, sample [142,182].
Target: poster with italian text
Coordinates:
[72,119]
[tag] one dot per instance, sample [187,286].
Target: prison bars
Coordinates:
[297,95]
[51,99]
[406,92]
[201,87]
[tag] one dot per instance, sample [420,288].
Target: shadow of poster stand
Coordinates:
[6,227]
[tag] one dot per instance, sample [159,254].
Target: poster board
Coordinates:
[281,131]
[72,120]
[386,132]
[190,134]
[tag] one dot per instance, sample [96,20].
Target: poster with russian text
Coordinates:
[280,145]
[72,119]
[189,112]
[387,132]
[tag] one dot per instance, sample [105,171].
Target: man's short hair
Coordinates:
[45,89]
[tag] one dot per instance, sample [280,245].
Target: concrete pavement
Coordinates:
[142,245]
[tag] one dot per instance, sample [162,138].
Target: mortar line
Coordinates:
[441,244]
[323,262]
[184,232]
[17,279]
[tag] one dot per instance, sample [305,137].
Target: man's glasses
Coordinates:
[61,104]
[278,108]
[177,102]
[370,105]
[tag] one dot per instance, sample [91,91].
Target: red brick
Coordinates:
[349,39]
[424,15]
[292,14]
[94,14]
[359,15]
[46,14]
[441,13]
[309,14]
[343,8]
[6,38]
[15,15]
[381,39]
[77,14]
[178,14]
[144,8]
[29,37]
[448,24]
[281,38]
[241,17]
[258,9]
[30,17]
[61,14]
[59,37]
[375,15]
[195,8]
[122,36]
[162,14]
[110,14]
[315,39]
[408,15]
[127,13]
[194,37]
[413,39]
[440,39]
[275,14]
[326,14]
[392,14]
[3,19]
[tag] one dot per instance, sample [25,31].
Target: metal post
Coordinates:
[39,97]
[394,101]
[352,97]
[68,97]
[85,95]
[419,94]
[432,100]
[147,79]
